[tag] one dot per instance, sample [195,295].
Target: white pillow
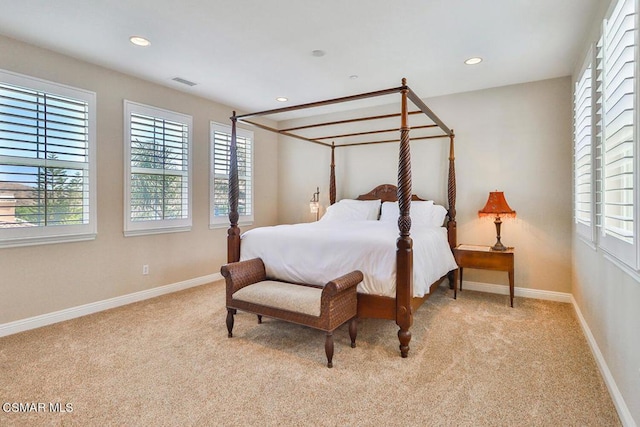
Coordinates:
[372,207]
[438,214]
[353,210]
[422,213]
[390,212]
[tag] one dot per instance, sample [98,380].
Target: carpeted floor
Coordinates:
[167,361]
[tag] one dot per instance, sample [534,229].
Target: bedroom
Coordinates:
[502,139]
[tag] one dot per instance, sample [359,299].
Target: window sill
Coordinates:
[226,224]
[635,275]
[46,240]
[133,233]
[587,242]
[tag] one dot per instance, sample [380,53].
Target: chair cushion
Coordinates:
[282,295]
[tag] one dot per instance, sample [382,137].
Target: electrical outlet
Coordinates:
[145,269]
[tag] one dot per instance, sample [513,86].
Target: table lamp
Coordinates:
[497,205]
[314,203]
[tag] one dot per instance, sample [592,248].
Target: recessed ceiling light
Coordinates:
[282,99]
[139,41]
[318,53]
[353,76]
[473,61]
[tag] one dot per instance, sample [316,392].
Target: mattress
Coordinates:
[318,252]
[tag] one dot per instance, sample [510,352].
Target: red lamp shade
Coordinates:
[497,205]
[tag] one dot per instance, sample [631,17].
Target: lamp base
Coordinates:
[498,247]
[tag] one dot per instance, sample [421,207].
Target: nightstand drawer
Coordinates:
[485,260]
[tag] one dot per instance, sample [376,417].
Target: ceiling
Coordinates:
[245,53]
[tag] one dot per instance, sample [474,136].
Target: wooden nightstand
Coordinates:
[482,257]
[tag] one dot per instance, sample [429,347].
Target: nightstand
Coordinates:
[482,257]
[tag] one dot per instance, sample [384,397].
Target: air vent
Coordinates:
[183,81]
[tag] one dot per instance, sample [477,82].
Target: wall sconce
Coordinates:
[497,205]
[314,203]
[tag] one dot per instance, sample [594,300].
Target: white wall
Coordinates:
[515,139]
[36,280]
[609,300]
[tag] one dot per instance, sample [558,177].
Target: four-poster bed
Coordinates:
[401,307]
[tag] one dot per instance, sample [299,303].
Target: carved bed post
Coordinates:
[332,177]
[404,244]
[452,230]
[233,234]
[451,191]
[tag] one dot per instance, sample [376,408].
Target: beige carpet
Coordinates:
[168,361]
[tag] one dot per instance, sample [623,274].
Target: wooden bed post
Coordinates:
[332,177]
[233,234]
[452,231]
[451,191]
[404,244]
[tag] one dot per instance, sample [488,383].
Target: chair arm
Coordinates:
[343,283]
[243,273]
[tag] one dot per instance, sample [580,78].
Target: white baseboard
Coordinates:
[616,396]
[518,292]
[94,307]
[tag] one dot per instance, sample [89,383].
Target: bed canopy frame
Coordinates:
[402,307]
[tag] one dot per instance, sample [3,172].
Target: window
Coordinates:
[619,234]
[606,186]
[47,159]
[158,170]
[582,139]
[220,165]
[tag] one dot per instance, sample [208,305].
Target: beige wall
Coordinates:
[41,279]
[609,300]
[515,139]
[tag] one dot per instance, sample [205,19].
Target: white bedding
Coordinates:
[320,251]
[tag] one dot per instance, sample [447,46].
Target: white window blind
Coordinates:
[582,137]
[599,181]
[619,121]
[158,177]
[46,150]
[220,168]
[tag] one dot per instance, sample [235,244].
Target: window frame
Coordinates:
[220,221]
[621,252]
[155,226]
[28,236]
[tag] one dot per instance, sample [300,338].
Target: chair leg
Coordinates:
[259,319]
[353,331]
[230,313]
[328,348]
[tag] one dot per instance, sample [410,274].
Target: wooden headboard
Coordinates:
[384,192]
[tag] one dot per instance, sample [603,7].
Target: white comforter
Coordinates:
[320,251]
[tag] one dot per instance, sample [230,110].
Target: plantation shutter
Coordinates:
[44,159]
[157,146]
[619,122]
[221,146]
[598,122]
[159,169]
[583,148]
